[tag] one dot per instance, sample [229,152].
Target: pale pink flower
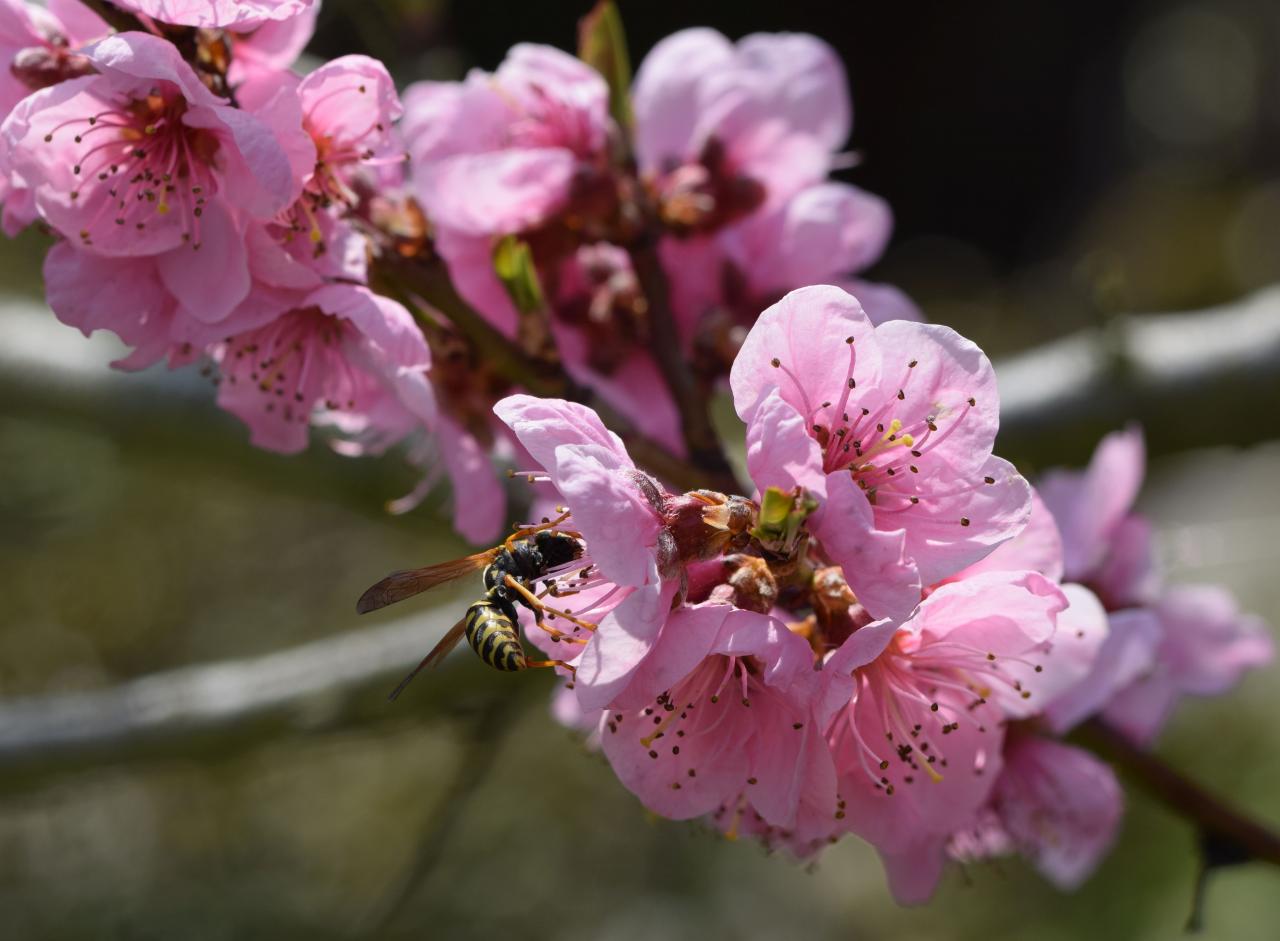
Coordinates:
[39,49]
[891,429]
[342,348]
[918,744]
[501,153]
[142,158]
[635,557]
[1105,544]
[225,14]
[1206,645]
[718,718]
[349,108]
[1058,806]
[771,110]
[123,295]
[736,142]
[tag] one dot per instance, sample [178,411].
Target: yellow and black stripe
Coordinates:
[491,631]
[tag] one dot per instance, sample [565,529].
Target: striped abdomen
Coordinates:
[491,631]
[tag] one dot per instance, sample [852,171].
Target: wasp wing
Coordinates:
[401,585]
[438,653]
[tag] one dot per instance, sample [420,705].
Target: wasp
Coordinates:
[490,624]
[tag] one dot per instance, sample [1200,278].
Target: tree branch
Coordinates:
[1215,819]
[120,20]
[1192,380]
[431,283]
[664,343]
[223,706]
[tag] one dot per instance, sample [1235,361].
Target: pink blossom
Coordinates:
[891,429]
[142,158]
[1056,805]
[773,108]
[613,504]
[917,746]
[638,539]
[38,49]
[1037,548]
[1105,544]
[736,142]
[226,14]
[123,295]
[524,135]
[718,717]
[349,108]
[261,51]
[342,348]
[1206,645]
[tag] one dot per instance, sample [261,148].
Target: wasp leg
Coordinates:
[536,603]
[530,530]
[551,663]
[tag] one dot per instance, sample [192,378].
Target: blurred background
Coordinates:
[1051,166]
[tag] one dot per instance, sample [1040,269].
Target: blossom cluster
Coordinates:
[212,206]
[887,637]
[894,641]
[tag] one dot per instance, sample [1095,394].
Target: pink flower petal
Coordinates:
[886,582]
[621,641]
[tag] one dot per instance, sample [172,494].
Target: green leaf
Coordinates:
[602,44]
[513,264]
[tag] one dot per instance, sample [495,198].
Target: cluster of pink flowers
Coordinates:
[903,667]
[887,638]
[220,209]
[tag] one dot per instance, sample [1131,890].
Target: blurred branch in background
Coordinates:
[221,707]
[1192,380]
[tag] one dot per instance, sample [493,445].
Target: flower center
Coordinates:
[919,696]
[707,193]
[139,161]
[884,454]
[296,361]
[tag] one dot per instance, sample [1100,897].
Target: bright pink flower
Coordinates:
[1206,645]
[141,157]
[891,429]
[349,108]
[228,14]
[342,348]
[634,558]
[611,501]
[1058,806]
[1105,544]
[918,745]
[717,717]
[500,153]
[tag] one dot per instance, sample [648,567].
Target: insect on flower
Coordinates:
[491,623]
